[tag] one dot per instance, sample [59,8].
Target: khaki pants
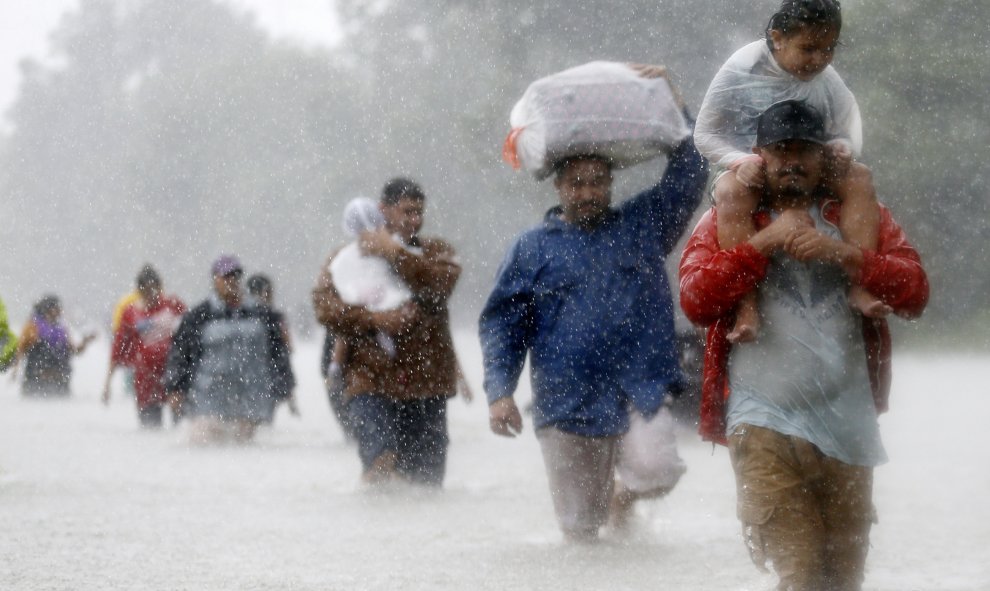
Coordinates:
[580,472]
[808,513]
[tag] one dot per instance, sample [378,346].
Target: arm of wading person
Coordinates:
[29,336]
[80,347]
[344,320]
[431,275]
[504,418]
[121,351]
[893,273]
[712,280]
[505,329]
[183,357]
[105,398]
[463,387]
[664,210]
[283,378]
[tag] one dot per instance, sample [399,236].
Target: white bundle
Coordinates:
[363,280]
[602,108]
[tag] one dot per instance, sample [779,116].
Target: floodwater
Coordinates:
[88,501]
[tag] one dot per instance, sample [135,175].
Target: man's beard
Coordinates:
[793,189]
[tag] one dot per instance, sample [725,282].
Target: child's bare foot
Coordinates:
[866,304]
[747,325]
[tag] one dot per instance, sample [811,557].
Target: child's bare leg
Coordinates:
[735,204]
[859,224]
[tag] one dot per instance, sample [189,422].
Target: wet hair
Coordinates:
[561,165]
[796,15]
[47,303]
[259,284]
[148,276]
[399,188]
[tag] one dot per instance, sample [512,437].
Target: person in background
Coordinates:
[46,349]
[8,341]
[142,342]
[229,361]
[261,294]
[397,400]
[119,307]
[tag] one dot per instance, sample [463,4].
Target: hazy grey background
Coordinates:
[168,132]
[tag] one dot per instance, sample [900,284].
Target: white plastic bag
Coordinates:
[648,459]
[602,108]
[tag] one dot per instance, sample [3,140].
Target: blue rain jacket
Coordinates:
[593,308]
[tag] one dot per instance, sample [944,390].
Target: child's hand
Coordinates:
[841,157]
[751,174]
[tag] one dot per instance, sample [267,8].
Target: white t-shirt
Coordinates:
[806,374]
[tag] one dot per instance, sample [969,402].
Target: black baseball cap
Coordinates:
[790,120]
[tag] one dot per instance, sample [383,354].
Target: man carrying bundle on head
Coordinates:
[585,295]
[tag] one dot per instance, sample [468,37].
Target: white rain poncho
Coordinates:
[748,83]
[603,108]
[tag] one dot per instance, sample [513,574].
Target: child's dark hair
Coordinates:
[794,15]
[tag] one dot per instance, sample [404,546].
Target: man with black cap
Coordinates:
[229,362]
[798,406]
[142,341]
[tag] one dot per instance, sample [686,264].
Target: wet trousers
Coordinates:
[414,430]
[580,473]
[809,514]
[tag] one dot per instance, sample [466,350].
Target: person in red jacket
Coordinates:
[798,406]
[142,341]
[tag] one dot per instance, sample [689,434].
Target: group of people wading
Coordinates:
[792,273]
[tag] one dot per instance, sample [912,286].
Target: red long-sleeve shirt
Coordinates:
[142,341]
[712,281]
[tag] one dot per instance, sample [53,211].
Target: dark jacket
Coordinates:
[187,354]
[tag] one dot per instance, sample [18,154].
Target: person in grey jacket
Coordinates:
[229,362]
